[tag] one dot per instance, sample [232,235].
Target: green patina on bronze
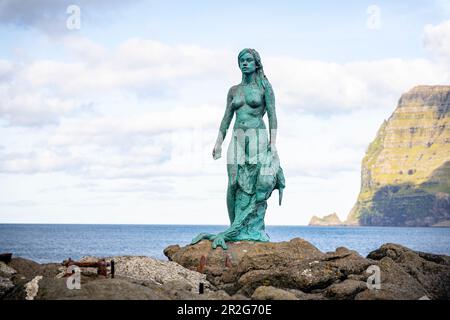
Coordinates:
[252,177]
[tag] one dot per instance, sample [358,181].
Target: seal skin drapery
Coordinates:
[253,164]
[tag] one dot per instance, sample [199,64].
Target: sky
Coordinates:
[109,110]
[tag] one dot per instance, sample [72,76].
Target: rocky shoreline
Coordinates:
[291,270]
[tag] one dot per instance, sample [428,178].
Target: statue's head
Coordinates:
[249,60]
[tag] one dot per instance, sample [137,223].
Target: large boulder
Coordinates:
[272,293]
[160,272]
[6,285]
[260,270]
[345,290]
[431,271]
[246,255]
[98,289]
[396,284]
[226,266]
[6,270]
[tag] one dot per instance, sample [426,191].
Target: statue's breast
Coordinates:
[249,96]
[238,101]
[253,98]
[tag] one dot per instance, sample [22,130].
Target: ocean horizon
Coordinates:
[45,243]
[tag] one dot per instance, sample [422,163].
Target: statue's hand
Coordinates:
[273,148]
[219,241]
[201,236]
[217,151]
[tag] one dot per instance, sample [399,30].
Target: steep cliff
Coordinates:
[329,220]
[405,176]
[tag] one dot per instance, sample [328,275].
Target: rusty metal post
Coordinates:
[5,257]
[102,270]
[113,269]
[202,264]
[228,263]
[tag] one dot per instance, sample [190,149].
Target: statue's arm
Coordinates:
[269,98]
[227,117]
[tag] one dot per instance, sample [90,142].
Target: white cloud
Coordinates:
[84,49]
[5,70]
[133,127]
[43,91]
[326,88]
[437,39]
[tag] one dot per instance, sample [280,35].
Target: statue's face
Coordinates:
[247,63]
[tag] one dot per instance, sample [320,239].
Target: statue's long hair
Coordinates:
[261,78]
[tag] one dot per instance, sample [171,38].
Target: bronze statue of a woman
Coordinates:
[252,161]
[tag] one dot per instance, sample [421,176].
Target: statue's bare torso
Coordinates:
[247,101]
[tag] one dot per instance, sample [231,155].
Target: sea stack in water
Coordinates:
[329,220]
[405,178]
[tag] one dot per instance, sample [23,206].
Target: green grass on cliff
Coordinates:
[408,159]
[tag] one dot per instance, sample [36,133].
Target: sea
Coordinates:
[46,243]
